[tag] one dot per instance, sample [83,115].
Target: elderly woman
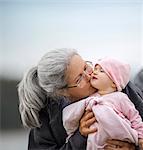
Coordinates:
[61,77]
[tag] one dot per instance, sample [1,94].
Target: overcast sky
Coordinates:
[97,28]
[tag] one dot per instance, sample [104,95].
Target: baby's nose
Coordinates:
[95,72]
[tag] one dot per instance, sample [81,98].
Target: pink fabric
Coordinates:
[116,116]
[117,70]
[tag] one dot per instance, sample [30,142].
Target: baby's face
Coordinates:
[100,80]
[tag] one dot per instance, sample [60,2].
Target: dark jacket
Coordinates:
[52,135]
[138,80]
[136,96]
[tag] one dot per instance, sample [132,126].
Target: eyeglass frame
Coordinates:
[85,73]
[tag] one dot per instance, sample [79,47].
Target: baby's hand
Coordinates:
[141,144]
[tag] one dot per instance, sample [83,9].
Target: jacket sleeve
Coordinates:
[52,135]
[136,96]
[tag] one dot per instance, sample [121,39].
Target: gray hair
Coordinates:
[46,79]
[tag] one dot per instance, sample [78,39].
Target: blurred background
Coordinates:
[29,28]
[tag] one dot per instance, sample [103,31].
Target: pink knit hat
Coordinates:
[118,71]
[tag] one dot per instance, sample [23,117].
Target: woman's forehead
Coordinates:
[76,61]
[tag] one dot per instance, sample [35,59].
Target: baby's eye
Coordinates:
[101,70]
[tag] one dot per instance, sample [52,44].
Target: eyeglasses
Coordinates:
[87,71]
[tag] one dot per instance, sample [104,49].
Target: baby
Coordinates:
[116,116]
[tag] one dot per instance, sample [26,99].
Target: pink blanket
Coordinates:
[116,118]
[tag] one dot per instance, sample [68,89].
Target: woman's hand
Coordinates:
[86,121]
[141,144]
[119,145]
